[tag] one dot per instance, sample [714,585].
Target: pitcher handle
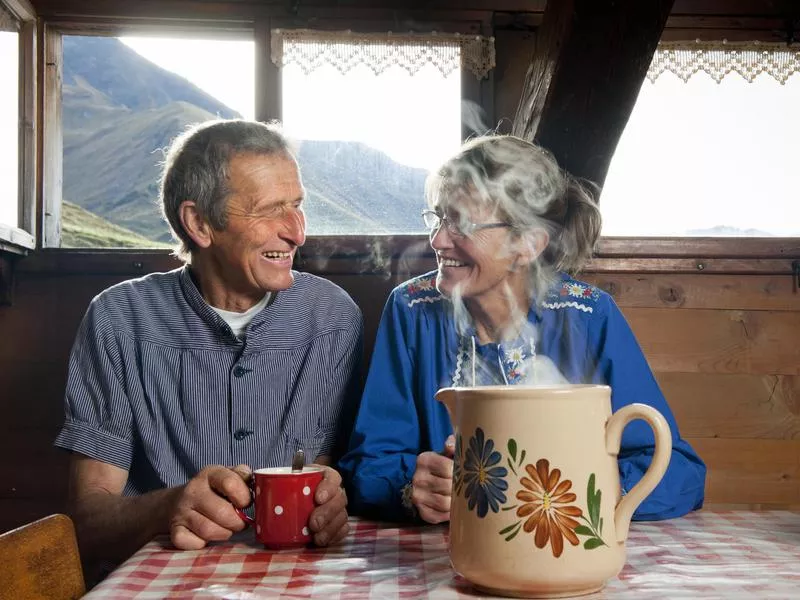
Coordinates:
[658,466]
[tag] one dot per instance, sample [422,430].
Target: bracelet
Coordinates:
[406,501]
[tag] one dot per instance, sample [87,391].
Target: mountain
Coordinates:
[727,231]
[120,112]
[82,229]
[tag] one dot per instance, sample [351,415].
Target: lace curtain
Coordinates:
[345,49]
[719,59]
[7,20]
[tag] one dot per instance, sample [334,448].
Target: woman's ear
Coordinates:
[195,226]
[532,245]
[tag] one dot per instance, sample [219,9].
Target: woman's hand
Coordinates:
[432,483]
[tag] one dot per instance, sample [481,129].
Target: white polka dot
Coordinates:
[258,528]
[305,530]
[279,510]
[306,491]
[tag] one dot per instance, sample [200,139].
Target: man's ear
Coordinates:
[195,226]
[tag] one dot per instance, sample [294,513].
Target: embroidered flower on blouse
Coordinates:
[515,376]
[421,289]
[574,289]
[515,355]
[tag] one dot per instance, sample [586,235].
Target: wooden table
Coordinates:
[732,554]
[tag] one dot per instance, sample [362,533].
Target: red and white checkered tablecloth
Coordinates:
[729,555]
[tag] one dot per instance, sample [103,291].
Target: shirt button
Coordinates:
[241,434]
[238,371]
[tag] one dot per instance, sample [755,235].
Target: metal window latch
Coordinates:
[796,275]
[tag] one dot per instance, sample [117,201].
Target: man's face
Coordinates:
[253,255]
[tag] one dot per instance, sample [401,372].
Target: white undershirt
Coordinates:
[238,321]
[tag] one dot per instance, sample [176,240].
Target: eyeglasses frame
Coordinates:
[454,230]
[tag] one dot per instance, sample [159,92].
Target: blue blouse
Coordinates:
[418,351]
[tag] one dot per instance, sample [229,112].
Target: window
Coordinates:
[372,114]
[367,131]
[9,125]
[122,101]
[711,146]
[17,133]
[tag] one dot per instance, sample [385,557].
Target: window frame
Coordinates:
[267,86]
[351,254]
[21,239]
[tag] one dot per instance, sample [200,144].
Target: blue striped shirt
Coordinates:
[160,386]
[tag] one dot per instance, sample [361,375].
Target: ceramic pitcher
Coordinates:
[537,510]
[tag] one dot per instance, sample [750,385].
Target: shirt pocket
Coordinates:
[313,441]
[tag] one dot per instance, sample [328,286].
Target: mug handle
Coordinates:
[248,520]
[658,466]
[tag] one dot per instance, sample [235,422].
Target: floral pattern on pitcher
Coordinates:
[479,474]
[546,506]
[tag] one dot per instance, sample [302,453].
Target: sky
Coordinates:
[702,154]
[9,112]
[694,155]
[327,105]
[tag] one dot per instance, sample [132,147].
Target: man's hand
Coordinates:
[328,522]
[203,509]
[432,483]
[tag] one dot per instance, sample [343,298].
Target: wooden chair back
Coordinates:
[40,561]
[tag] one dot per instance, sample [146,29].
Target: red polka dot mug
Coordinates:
[284,501]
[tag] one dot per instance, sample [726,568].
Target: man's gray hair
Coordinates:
[197,168]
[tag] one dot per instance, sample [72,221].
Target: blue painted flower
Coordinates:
[483,477]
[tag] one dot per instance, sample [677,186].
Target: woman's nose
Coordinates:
[441,238]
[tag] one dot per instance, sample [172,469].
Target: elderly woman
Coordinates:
[507,225]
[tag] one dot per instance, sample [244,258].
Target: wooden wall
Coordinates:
[724,349]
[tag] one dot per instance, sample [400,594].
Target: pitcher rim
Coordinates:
[558,387]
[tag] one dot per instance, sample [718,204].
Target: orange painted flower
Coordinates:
[546,506]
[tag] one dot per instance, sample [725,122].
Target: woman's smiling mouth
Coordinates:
[451,262]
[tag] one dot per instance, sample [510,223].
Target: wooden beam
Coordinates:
[6,280]
[590,59]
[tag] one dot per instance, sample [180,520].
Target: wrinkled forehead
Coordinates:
[463,197]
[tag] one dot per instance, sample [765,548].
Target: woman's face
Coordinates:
[481,263]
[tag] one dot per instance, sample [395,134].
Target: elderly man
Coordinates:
[233,359]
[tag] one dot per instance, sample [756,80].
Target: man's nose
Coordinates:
[294,229]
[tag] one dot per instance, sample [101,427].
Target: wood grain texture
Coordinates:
[718,341]
[764,472]
[41,561]
[756,292]
[6,280]
[710,405]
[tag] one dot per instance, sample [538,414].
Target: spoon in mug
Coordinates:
[298,461]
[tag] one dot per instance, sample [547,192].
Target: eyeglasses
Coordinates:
[433,221]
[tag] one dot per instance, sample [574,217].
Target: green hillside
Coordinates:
[120,112]
[82,229]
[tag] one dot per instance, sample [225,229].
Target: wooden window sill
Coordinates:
[15,241]
[411,255]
